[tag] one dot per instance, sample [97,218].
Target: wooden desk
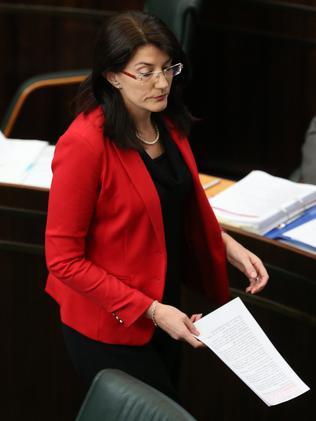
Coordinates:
[40,381]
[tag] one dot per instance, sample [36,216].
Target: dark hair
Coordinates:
[119,39]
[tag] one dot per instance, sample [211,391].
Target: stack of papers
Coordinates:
[235,337]
[260,202]
[25,162]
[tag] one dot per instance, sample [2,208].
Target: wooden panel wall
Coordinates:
[254,86]
[253,82]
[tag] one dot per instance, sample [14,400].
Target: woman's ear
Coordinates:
[111,77]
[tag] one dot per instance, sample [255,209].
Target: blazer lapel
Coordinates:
[142,182]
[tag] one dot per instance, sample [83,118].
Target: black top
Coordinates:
[173,182]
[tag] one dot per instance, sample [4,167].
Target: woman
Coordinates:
[128,220]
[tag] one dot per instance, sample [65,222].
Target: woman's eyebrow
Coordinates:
[143,63]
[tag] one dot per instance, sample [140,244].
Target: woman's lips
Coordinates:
[160,98]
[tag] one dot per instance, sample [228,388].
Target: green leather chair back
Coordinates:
[179,15]
[117,396]
[35,83]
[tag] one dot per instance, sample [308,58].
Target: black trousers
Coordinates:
[156,363]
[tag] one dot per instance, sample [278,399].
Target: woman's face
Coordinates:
[143,96]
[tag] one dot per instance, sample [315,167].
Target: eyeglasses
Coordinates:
[169,73]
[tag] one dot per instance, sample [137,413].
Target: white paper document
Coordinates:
[235,337]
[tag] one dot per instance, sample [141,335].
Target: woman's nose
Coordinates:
[161,81]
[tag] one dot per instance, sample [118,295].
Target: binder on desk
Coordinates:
[260,202]
[304,238]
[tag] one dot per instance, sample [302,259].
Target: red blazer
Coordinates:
[105,246]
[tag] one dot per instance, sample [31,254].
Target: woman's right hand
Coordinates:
[176,323]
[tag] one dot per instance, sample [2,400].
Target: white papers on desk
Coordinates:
[2,136]
[260,202]
[26,162]
[39,174]
[235,337]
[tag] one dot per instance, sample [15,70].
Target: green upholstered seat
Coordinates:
[117,396]
[180,16]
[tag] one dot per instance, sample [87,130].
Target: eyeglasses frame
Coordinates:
[140,75]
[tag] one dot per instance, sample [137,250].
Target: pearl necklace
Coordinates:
[150,142]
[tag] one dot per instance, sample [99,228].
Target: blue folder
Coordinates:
[280,232]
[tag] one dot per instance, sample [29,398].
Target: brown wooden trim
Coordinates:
[274,306]
[59,11]
[23,186]
[295,7]
[19,247]
[73,12]
[22,211]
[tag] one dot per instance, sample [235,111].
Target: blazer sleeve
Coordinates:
[77,172]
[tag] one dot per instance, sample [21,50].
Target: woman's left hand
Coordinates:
[247,262]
